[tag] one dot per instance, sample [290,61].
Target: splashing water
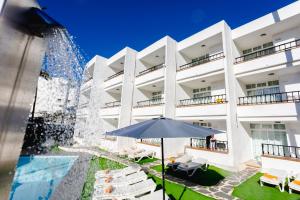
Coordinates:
[58,92]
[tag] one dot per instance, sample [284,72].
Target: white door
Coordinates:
[267,134]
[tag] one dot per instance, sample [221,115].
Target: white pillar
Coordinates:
[127,96]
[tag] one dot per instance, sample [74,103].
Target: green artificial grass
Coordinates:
[251,190]
[96,164]
[179,192]
[146,160]
[55,149]
[212,176]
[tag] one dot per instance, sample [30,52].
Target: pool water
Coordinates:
[36,177]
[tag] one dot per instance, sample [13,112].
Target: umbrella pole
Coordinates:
[163,167]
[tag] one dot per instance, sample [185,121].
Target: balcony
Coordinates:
[206,107]
[114,80]
[274,56]
[151,102]
[283,151]
[112,104]
[111,110]
[216,99]
[155,73]
[283,97]
[277,106]
[201,144]
[200,67]
[148,108]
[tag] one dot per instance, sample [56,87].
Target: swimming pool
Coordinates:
[36,177]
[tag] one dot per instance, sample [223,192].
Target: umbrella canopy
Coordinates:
[163,128]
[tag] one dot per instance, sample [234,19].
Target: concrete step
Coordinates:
[253,164]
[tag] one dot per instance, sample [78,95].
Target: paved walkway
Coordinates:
[220,191]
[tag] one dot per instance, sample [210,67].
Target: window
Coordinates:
[247,51]
[157,95]
[204,124]
[202,92]
[258,48]
[270,87]
[266,45]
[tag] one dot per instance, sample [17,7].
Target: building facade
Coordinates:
[244,81]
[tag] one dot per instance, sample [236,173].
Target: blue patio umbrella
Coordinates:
[163,128]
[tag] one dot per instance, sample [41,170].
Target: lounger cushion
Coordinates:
[108,189]
[296,182]
[270,176]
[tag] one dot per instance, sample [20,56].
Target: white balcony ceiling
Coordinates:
[115,90]
[155,58]
[264,76]
[197,83]
[197,50]
[118,65]
[254,39]
[154,87]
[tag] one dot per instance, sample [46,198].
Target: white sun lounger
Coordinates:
[198,163]
[293,186]
[153,196]
[279,181]
[119,172]
[139,156]
[123,180]
[128,192]
[130,151]
[181,159]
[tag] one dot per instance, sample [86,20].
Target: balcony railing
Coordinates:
[151,69]
[115,75]
[268,51]
[151,102]
[202,61]
[216,99]
[283,97]
[152,141]
[201,143]
[112,104]
[281,150]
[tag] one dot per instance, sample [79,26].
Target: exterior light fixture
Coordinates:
[203,45]
[263,35]
[203,81]
[121,63]
[153,85]
[157,56]
[271,74]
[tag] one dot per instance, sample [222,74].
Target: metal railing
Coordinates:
[268,51]
[112,104]
[202,61]
[152,141]
[201,143]
[216,99]
[83,105]
[282,97]
[115,75]
[151,102]
[151,69]
[281,150]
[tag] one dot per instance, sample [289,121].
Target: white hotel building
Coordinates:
[244,81]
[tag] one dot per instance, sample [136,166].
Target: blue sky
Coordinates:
[104,27]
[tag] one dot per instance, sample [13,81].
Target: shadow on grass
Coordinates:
[205,178]
[159,187]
